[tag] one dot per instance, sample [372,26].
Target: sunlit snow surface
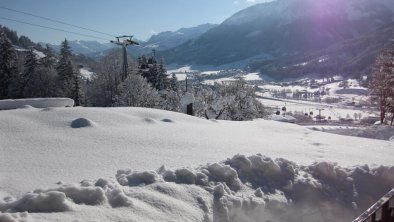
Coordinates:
[42,147]
[353,94]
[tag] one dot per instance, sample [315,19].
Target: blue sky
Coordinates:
[141,18]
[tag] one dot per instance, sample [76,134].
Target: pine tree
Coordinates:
[65,70]
[49,59]
[174,83]
[161,77]
[77,90]
[25,42]
[8,65]
[11,35]
[29,72]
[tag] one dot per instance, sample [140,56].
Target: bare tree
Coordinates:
[382,83]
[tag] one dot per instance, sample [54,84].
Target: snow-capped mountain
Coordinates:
[168,39]
[159,42]
[284,28]
[85,47]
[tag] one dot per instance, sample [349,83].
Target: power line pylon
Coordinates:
[125,41]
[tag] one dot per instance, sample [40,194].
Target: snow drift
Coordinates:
[241,188]
[43,147]
[382,132]
[36,103]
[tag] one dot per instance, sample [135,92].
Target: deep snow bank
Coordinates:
[39,147]
[253,188]
[36,103]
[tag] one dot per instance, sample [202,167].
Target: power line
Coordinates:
[56,29]
[54,20]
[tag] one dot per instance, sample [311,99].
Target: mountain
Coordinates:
[84,47]
[283,29]
[352,58]
[168,39]
[159,42]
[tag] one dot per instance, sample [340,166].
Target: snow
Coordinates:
[181,77]
[86,73]
[82,122]
[181,73]
[248,77]
[375,132]
[280,118]
[336,112]
[323,59]
[15,217]
[116,154]
[211,72]
[81,44]
[345,99]
[252,76]
[36,103]
[39,54]
[184,69]
[186,99]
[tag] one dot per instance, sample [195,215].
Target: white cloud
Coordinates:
[236,2]
[251,1]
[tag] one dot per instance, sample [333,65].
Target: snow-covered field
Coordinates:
[248,77]
[334,111]
[52,150]
[381,132]
[343,105]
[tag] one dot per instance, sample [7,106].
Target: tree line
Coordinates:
[39,72]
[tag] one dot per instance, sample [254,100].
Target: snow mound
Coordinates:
[149,120]
[223,173]
[167,120]
[281,118]
[15,217]
[240,188]
[26,107]
[51,201]
[36,103]
[63,199]
[82,122]
[117,198]
[83,195]
[128,177]
[280,184]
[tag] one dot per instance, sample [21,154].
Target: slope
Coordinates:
[283,28]
[41,147]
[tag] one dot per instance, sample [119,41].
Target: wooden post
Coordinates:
[386,212]
[189,109]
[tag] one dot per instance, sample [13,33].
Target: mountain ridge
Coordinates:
[283,28]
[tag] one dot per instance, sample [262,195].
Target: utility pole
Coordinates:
[125,41]
[186,82]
